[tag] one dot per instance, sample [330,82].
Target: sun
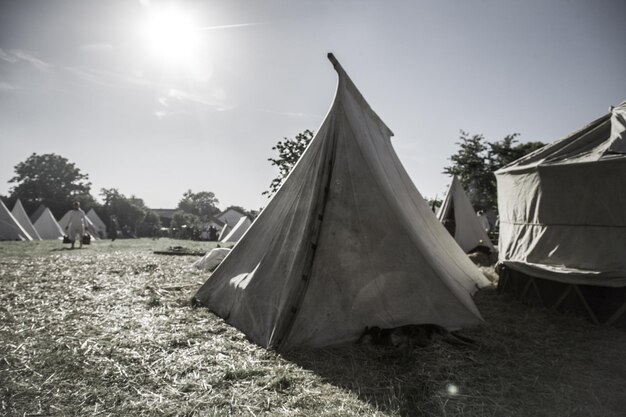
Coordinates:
[170,35]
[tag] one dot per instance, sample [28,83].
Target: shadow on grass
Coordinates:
[527,362]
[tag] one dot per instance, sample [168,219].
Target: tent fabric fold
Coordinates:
[563,207]
[346,242]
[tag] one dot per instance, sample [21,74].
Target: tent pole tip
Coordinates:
[332,59]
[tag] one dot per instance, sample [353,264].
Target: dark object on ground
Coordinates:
[411,335]
[179,250]
[86,239]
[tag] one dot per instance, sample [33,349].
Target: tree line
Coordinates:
[55,182]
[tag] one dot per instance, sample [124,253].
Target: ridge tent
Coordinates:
[22,218]
[346,242]
[10,228]
[458,211]
[47,227]
[100,227]
[238,230]
[563,222]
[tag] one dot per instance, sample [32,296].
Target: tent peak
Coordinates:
[332,59]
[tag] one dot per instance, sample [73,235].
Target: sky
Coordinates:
[158,97]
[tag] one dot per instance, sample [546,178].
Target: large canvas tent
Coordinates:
[47,227]
[457,212]
[10,228]
[563,222]
[346,242]
[20,215]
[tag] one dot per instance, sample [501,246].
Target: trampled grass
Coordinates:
[108,330]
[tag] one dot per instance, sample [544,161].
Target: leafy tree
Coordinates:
[186,225]
[132,213]
[289,151]
[476,161]
[52,180]
[201,204]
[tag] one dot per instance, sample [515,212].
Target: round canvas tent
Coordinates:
[345,243]
[563,222]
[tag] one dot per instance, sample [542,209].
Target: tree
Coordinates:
[471,168]
[186,225]
[476,161]
[52,180]
[201,204]
[289,151]
[132,213]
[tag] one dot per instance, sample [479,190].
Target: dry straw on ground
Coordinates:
[108,330]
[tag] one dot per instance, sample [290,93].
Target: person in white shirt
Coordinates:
[76,226]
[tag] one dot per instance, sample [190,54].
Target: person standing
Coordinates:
[75,228]
[114,227]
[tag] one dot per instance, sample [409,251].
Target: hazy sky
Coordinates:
[155,98]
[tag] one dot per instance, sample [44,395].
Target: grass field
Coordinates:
[109,330]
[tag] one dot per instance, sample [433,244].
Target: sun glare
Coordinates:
[170,36]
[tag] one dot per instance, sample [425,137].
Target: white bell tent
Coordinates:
[346,242]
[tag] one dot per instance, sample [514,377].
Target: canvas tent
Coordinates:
[10,228]
[224,232]
[457,211]
[563,221]
[212,259]
[238,231]
[47,227]
[346,242]
[35,216]
[20,215]
[100,227]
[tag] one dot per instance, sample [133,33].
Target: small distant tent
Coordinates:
[563,222]
[346,242]
[47,227]
[459,217]
[20,215]
[89,226]
[230,216]
[35,216]
[101,228]
[10,228]
[236,232]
